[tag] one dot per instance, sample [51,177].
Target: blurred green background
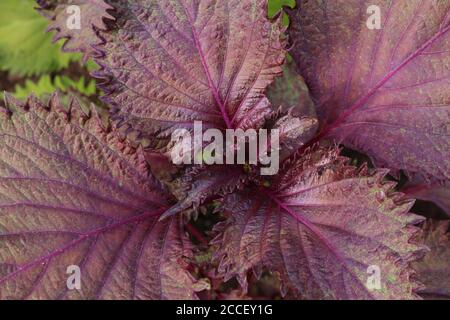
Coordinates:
[31,63]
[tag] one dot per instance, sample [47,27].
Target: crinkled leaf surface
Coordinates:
[321,225]
[173,62]
[92,16]
[71,193]
[434,269]
[385,92]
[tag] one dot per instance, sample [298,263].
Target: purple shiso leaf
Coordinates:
[434,269]
[173,62]
[72,193]
[384,92]
[93,14]
[321,225]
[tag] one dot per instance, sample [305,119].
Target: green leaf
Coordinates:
[46,86]
[25,47]
[276,5]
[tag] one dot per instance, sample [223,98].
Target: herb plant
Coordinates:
[363,115]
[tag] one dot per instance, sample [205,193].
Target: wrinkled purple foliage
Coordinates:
[79,187]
